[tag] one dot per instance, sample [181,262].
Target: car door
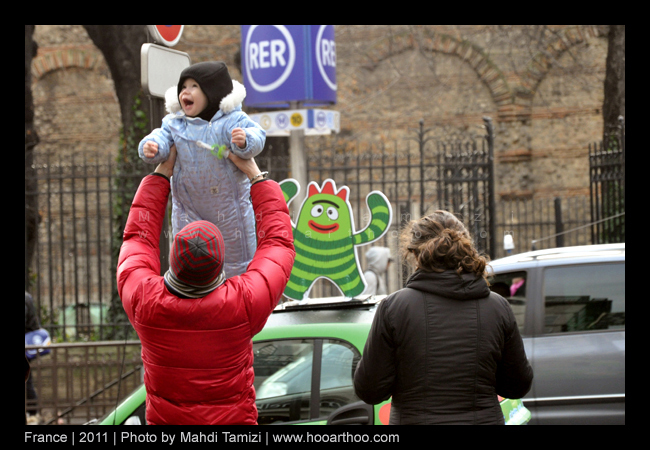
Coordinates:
[306,381]
[578,351]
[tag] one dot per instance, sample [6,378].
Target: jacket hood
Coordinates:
[449,284]
[227,105]
[377,258]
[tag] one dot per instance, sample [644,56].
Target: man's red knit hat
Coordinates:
[196,259]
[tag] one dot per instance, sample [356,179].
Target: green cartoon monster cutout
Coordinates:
[325,238]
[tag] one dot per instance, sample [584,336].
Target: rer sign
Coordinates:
[285,63]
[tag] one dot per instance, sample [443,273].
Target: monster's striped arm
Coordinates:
[290,189]
[381,215]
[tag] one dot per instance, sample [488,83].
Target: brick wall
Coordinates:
[545,99]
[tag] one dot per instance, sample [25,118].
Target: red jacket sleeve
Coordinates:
[269,271]
[139,258]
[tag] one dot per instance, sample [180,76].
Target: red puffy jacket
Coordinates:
[197,353]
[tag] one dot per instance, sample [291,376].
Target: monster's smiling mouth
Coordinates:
[322,228]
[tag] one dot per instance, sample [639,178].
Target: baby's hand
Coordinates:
[150,149]
[239,137]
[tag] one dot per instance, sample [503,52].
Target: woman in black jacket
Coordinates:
[444,346]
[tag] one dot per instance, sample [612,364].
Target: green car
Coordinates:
[304,366]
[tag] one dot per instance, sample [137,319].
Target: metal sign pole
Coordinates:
[298,163]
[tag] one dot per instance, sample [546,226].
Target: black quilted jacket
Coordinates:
[443,348]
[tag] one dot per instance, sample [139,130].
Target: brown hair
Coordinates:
[440,242]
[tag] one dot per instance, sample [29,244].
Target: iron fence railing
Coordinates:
[78,382]
[607,186]
[543,223]
[83,206]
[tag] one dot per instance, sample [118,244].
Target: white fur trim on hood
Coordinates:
[172,105]
[228,103]
[234,99]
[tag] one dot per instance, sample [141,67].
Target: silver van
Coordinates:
[570,307]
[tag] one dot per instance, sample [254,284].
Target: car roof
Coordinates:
[334,310]
[583,253]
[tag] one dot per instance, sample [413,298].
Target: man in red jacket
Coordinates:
[195,327]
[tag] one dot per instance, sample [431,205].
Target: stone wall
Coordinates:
[543,87]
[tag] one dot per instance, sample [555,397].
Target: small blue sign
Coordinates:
[282,121]
[285,63]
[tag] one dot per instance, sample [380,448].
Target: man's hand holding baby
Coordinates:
[239,137]
[150,149]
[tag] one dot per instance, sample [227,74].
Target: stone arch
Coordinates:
[64,58]
[541,64]
[73,86]
[487,71]
[513,100]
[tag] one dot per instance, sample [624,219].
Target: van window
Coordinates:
[584,298]
[512,287]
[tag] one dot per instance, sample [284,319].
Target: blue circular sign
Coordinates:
[321,119]
[270,56]
[282,121]
[326,55]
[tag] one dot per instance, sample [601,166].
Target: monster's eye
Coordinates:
[332,213]
[316,211]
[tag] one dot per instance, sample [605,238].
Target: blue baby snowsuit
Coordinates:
[205,187]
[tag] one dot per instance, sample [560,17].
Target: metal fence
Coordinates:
[607,186]
[419,176]
[83,206]
[543,223]
[76,383]
[79,232]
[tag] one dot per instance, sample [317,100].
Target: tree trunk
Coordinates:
[31,139]
[614,102]
[120,45]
